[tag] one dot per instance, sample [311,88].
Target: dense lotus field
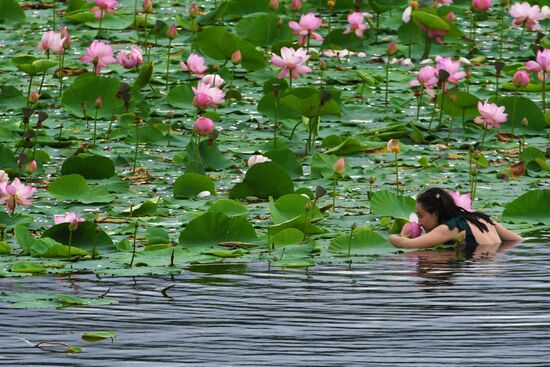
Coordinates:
[139,137]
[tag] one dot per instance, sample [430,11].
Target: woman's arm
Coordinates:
[438,235]
[507,235]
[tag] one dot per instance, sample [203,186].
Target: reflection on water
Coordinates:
[413,309]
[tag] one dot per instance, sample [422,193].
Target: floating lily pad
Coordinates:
[74,187]
[364,241]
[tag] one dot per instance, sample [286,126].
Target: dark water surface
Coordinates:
[415,309]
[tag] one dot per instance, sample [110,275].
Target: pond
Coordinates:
[416,308]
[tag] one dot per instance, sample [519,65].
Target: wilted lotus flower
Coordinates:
[393,146]
[255,159]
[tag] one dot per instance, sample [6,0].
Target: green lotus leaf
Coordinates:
[386,203]
[89,166]
[262,181]
[87,236]
[212,228]
[228,207]
[531,207]
[190,184]
[364,242]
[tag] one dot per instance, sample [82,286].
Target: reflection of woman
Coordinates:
[444,221]
[440,266]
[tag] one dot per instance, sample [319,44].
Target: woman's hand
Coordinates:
[397,241]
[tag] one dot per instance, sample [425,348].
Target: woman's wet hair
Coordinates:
[440,202]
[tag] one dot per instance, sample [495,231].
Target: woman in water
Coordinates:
[443,220]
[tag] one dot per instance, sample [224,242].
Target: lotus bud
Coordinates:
[322,65]
[31,167]
[392,48]
[521,78]
[308,204]
[279,22]
[147,6]
[274,4]
[172,33]
[524,122]
[296,5]
[194,10]
[236,58]
[320,192]
[34,97]
[66,38]
[411,230]
[203,126]
[331,3]
[339,167]
[451,16]
[98,102]
[414,4]
[372,179]
[393,146]
[73,225]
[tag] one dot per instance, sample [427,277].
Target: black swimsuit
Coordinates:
[462,225]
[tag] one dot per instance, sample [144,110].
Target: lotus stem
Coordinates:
[146,35]
[442,104]
[349,242]
[97,229]
[334,194]
[43,75]
[136,147]
[100,23]
[95,124]
[543,91]
[135,15]
[483,138]
[29,90]
[134,244]
[70,242]
[419,103]
[168,63]
[276,126]
[61,73]
[387,80]
[514,111]
[473,33]
[501,26]
[53,14]
[396,174]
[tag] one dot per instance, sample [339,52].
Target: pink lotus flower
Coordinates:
[491,115]
[411,230]
[308,24]
[443,2]
[15,193]
[452,67]
[291,61]
[295,5]
[213,80]
[356,24]
[104,6]
[426,78]
[255,159]
[436,34]
[462,200]
[130,59]
[4,177]
[526,16]
[481,5]
[521,78]
[203,126]
[51,41]
[542,65]
[205,96]
[100,55]
[194,65]
[70,218]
